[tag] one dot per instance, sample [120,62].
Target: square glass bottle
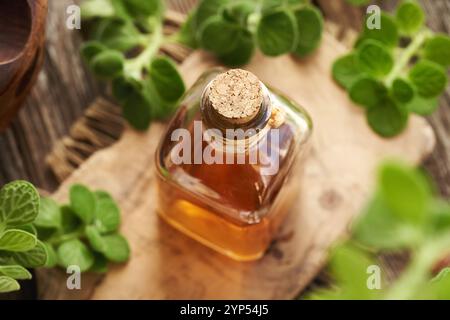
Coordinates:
[229,163]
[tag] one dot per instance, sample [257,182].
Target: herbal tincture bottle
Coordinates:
[228,165]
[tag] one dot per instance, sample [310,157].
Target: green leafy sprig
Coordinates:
[404,214]
[390,81]
[84,232]
[19,246]
[124,41]
[232,29]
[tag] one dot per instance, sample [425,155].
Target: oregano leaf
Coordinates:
[82,202]
[8,284]
[17,240]
[19,203]
[75,252]
[16,272]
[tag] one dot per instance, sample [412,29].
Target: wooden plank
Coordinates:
[338,177]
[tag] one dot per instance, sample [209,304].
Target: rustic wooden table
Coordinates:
[55,102]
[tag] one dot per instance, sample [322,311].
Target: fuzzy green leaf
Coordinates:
[15,272]
[49,214]
[219,36]
[387,118]
[277,33]
[410,17]
[346,70]
[95,239]
[107,215]
[387,34]
[378,227]
[309,29]
[402,90]
[368,92]
[8,284]
[207,9]
[36,257]
[108,64]
[243,51]
[166,80]
[405,192]
[52,256]
[137,109]
[429,78]
[19,203]
[75,252]
[82,202]
[423,106]
[374,58]
[117,248]
[437,49]
[17,240]
[91,49]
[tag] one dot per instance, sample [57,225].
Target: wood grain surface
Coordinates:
[64,89]
[338,176]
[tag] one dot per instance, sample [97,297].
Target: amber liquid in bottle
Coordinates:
[233,208]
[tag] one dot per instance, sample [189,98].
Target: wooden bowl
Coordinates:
[22,34]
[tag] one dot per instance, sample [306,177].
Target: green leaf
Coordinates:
[70,221]
[100,264]
[219,36]
[19,203]
[30,228]
[52,256]
[346,70]
[378,227]
[91,49]
[388,118]
[137,110]
[82,202]
[423,106]
[368,92]
[207,9]
[96,8]
[75,252]
[166,80]
[36,257]
[108,64]
[117,248]
[186,34]
[107,215]
[405,192]
[95,239]
[349,267]
[410,17]
[139,8]
[402,90]
[437,289]
[243,51]
[238,12]
[123,88]
[117,34]
[387,34]
[374,58]
[49,214]
[15,272]
[429,78]
[309,29]
[277,33]
[17,240]
[440,215]
[8,284]
[437,49]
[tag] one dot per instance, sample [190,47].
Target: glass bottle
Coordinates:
[229,163]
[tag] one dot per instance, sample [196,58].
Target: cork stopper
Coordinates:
[236,96]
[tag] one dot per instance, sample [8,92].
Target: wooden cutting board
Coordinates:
[339,175]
